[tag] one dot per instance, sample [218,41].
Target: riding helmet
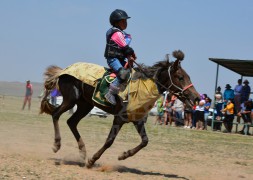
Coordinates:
[118,15]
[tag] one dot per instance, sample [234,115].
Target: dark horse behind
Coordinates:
[166,75]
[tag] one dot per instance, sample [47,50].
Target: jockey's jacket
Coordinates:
[117,42]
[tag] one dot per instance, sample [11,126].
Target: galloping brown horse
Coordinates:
[165,76]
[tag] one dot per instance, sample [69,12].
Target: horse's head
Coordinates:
[173,78]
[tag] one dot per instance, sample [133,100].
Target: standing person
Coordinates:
[168,110]
[200,115]
[196,103]
[206,110]
[218,103]
[237,99]
[178,108]
[229,116]
[245,91]
[160,110]
[245,113]
[28,95]
[117,51]
[187,116]
[228,94]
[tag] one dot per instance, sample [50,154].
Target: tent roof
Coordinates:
[242,67]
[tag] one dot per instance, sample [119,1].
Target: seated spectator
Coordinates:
[229,116]
[246,116]
[228,94]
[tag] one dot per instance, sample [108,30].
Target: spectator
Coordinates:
[160,111]
[229,116]
[245,91]
[228,94]
[54,94]
[246,116]
[206,110]
[218,103]
[168,110]
[196,103]
[200,115]
[28,95]
[187,116]
[178,108]
[237,99]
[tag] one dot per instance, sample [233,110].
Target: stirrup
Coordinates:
[110,98]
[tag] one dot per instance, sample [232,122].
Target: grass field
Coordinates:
[176,153]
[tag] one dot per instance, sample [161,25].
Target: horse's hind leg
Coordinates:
[82,110]
[139,125]
[117,124]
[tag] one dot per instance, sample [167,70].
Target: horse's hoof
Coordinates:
[89,164]
[123,156]
[56,148]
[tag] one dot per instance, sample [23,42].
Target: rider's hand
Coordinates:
[131,57]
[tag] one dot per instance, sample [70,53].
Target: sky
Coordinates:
[35,34]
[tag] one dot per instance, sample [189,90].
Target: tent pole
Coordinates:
[216,82]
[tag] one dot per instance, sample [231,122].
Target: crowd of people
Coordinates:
[172,111]
[231,106]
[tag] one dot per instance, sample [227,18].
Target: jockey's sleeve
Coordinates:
[119,39]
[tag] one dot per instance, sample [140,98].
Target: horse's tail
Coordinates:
[51,81]
[178,55]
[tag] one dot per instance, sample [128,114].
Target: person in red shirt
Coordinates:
[28,95]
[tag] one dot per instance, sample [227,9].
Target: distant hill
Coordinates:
[18,88]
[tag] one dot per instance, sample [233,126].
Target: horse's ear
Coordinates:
[167,58]
[176,64]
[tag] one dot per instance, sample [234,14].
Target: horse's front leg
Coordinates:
[139,125]
[57,136]
[117,124]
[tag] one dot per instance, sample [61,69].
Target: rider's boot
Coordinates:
[110,96]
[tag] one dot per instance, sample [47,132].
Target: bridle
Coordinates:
[179,92]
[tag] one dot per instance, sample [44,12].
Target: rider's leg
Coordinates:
[116,65]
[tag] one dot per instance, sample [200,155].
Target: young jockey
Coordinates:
[117,50]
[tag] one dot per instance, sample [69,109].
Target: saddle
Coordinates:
[103,85]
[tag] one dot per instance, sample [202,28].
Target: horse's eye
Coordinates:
[181,78]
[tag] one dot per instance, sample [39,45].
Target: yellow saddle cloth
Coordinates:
[141,93]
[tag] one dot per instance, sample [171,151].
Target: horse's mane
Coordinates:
[150,71]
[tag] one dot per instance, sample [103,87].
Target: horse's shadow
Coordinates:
[124,169]
[120,169]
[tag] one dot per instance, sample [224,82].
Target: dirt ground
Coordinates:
[26,139]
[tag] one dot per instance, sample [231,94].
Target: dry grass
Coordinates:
[26,138]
